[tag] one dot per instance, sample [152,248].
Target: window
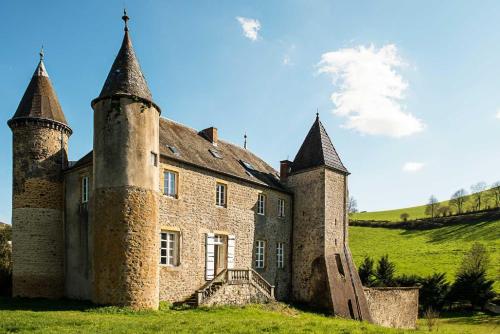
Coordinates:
[170,183]
[220,194]
[174,150]
[280,259]
[281,208]
[169,248]
[261,204]
[215,153]
[260,249]
[85,189]
[340,267]
[154,159]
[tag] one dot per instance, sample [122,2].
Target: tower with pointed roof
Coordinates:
[40,149]
[126,186]
[323,272]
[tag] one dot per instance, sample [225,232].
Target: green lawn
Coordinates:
[417,212]
[21,316]
[428,251]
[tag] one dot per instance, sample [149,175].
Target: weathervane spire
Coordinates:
[41,53]
[125,19]
[245,142]
[317,112]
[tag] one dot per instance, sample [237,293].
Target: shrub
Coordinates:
[407,280]
[384,273]
[366,271]
[433,292]
[5,266]
[404,216]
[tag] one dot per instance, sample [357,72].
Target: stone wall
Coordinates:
[77,233]
[393,307]
[194,213]
[237,294]
[39,155]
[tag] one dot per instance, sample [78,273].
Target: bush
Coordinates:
[384,273]
[433,292]
[366,271]
[407,280]
[5,266]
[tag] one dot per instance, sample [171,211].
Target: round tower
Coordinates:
[126,184]
[40,150]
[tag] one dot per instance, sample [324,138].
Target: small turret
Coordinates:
[40,150]
[324,274]
[126,185]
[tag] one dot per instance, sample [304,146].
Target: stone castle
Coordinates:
[158,211]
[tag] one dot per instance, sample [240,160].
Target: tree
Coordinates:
[477,191]
[366,271]
[432,206]
[471,284]
[404,216]
[495,192]
[443,211]
[384,273]
[352,205]
[458,199]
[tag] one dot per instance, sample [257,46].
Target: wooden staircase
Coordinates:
[230,276]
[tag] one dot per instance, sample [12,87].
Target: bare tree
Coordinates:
[495,193]
[458,199]
[352,205]
[477,191]
[432,206]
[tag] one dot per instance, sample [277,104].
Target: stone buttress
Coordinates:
[126,182]
[40,150]
[323,273]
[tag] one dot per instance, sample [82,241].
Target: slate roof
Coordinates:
[125,76]
[193,149]
[40,100]
[317,150]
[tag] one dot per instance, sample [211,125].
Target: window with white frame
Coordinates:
[280,255]
[170,183]
[220,194]
[169,248]
[261,204]
[85,189]
[281,208]
[260,253]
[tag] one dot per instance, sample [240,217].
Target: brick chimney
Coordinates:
[211,135]
[285,166]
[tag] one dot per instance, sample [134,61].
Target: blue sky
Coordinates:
[416,82]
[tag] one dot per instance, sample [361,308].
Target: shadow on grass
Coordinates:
[471,317]
[41,305]
[486,230]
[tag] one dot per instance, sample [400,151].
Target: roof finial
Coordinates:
[41,53]
[125,18]
[245,142]
[317,113]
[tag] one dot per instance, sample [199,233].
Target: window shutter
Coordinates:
[231,244]
[210,260]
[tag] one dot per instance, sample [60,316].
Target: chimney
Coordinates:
[210,134]
[285,166]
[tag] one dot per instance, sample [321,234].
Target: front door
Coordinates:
[220,253]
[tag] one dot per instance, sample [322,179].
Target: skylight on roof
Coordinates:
[247,165]
[173,149]
[215,153]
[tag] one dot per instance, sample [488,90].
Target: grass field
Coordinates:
[415,212]
[18,316]
[427,251]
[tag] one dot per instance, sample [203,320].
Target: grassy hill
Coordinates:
[417,212]
[424,252]
[39,316]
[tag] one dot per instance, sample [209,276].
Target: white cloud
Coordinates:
[250,27]
[287,60]
[412,167]
[369,90]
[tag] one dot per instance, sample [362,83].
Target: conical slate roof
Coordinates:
[317,150]
[125,76]
[40,99]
